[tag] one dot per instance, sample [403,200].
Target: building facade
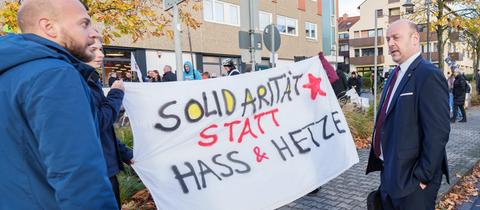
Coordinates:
[344,25]
[362,38]
[299,21]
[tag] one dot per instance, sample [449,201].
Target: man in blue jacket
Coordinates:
[51,153]
[189,73]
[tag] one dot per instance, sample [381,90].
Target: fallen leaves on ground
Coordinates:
[141,200]
[465,188]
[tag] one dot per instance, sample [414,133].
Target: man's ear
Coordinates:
[48,27]
[416,37]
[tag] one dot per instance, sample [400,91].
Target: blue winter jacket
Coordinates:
[51,153]
[107,109]
[192,74]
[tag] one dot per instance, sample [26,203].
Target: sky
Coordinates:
[349,7]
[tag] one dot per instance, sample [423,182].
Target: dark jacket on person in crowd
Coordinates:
[169,77]
[459,90]
[357,82]
[51,153]
[107,109]
[340,86]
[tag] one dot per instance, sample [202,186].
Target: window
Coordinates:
[371,51]
[265,19]
[422,28]
[343,36]
[233,19]
[219,6]
[221,12]
[379,12]
[371,33]
[344,48]
[287,25]
[311,30]
[394,12]
[356,34]
[357,52]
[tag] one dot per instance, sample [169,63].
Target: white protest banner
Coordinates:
[253,141]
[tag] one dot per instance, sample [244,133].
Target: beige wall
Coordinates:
[223,39]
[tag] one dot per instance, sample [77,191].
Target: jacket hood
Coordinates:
[191,68]
[16,49]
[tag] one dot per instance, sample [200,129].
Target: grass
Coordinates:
[129,184]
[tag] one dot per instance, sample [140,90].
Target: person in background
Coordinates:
[450,80]
[478,82]
[230,68]
[189,73]
[206,75]
[51,151]
[149,76]
[355,82]
[155,76]
[168,75]
[459,92]
[106,110]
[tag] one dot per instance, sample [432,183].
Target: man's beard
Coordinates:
[77,50]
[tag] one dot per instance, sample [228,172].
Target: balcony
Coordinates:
[423,36]
[434,56]
[366,60]
[393,1]
[456,56]
[365,42]
[393,18]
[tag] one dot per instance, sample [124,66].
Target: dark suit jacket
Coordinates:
[414,132]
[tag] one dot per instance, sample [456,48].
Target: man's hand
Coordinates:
[118,84]
[423,186]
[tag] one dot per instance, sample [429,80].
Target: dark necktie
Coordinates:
[383,112]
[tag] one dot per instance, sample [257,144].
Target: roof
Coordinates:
[361,4]
[345,23]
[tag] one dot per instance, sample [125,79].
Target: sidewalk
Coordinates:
[350,190]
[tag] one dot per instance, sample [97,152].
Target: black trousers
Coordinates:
[116,190]
[418,200]
[462,110]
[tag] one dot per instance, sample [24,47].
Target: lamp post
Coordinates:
[409,6]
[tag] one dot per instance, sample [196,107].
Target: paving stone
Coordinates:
[463,151]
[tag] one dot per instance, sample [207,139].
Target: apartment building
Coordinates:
[344,25]
[362,38]
[301,24]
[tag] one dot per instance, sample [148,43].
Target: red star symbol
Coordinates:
[314,85]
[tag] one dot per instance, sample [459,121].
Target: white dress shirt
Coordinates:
[403,68]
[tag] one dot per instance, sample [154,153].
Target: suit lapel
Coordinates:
[384,93]
[405,79]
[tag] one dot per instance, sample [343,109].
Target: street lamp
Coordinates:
[409,8]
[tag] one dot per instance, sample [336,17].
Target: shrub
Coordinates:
[361,125]
[129,184]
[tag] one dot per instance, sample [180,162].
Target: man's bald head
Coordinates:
[405,23]
[65,22]
[31,11]
[403,40]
